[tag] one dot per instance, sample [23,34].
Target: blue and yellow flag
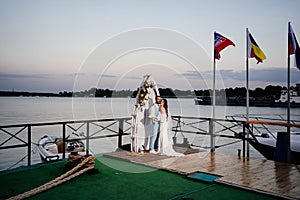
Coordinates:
[254,51]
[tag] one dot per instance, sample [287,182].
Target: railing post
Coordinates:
[243,136]
[64,140]
[211,132]
[178,125]
[87,138]
[29,146]
[248,137]
[121,132]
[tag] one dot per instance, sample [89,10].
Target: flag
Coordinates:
[294,46]
[221,43]
[254,51]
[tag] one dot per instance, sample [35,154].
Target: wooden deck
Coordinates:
[279,179]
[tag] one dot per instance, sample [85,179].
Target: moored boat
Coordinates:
[270,138]
[294,98]
[51,148]
[274,148]
[263,101]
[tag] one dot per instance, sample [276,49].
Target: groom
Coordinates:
[154,111]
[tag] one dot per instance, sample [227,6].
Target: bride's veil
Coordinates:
[170,125]
[169,149]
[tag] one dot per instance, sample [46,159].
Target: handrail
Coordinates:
[66,122]
[265,117]
[207,118]
[272,123]
[118,127]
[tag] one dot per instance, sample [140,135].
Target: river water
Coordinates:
[19,110]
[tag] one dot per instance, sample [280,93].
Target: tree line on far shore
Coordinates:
[268,91]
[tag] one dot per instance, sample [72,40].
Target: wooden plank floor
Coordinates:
[257,174]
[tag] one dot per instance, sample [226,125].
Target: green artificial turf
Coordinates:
[115,182]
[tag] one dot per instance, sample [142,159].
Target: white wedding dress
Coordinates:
[165,145]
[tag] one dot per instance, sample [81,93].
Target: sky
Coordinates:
[72,45]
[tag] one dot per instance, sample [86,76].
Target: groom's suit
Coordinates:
[154,111]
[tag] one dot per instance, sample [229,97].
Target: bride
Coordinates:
[165,145]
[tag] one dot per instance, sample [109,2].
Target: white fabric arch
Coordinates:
[141,126]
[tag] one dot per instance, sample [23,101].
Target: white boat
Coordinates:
[294,97]
[51,148]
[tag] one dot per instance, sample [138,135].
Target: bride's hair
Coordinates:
[166,107]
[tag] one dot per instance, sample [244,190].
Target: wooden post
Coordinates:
[121,132]
[64,140]
[243,136]
[87,138]
[29,146]
[178,126]
[212,137]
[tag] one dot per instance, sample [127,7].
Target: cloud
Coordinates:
[264,74]
[108,76]
[133,77]
[275,75]
[74,74]
[35,82]
[26,76]
[196,75]
[90,75]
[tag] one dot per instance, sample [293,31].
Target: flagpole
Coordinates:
[220,42]
[212,139]
[247,87]
[288,100]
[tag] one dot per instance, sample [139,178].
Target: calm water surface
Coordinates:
[17,110]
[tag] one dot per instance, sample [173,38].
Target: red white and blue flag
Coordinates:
[293,46]
[221,43]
